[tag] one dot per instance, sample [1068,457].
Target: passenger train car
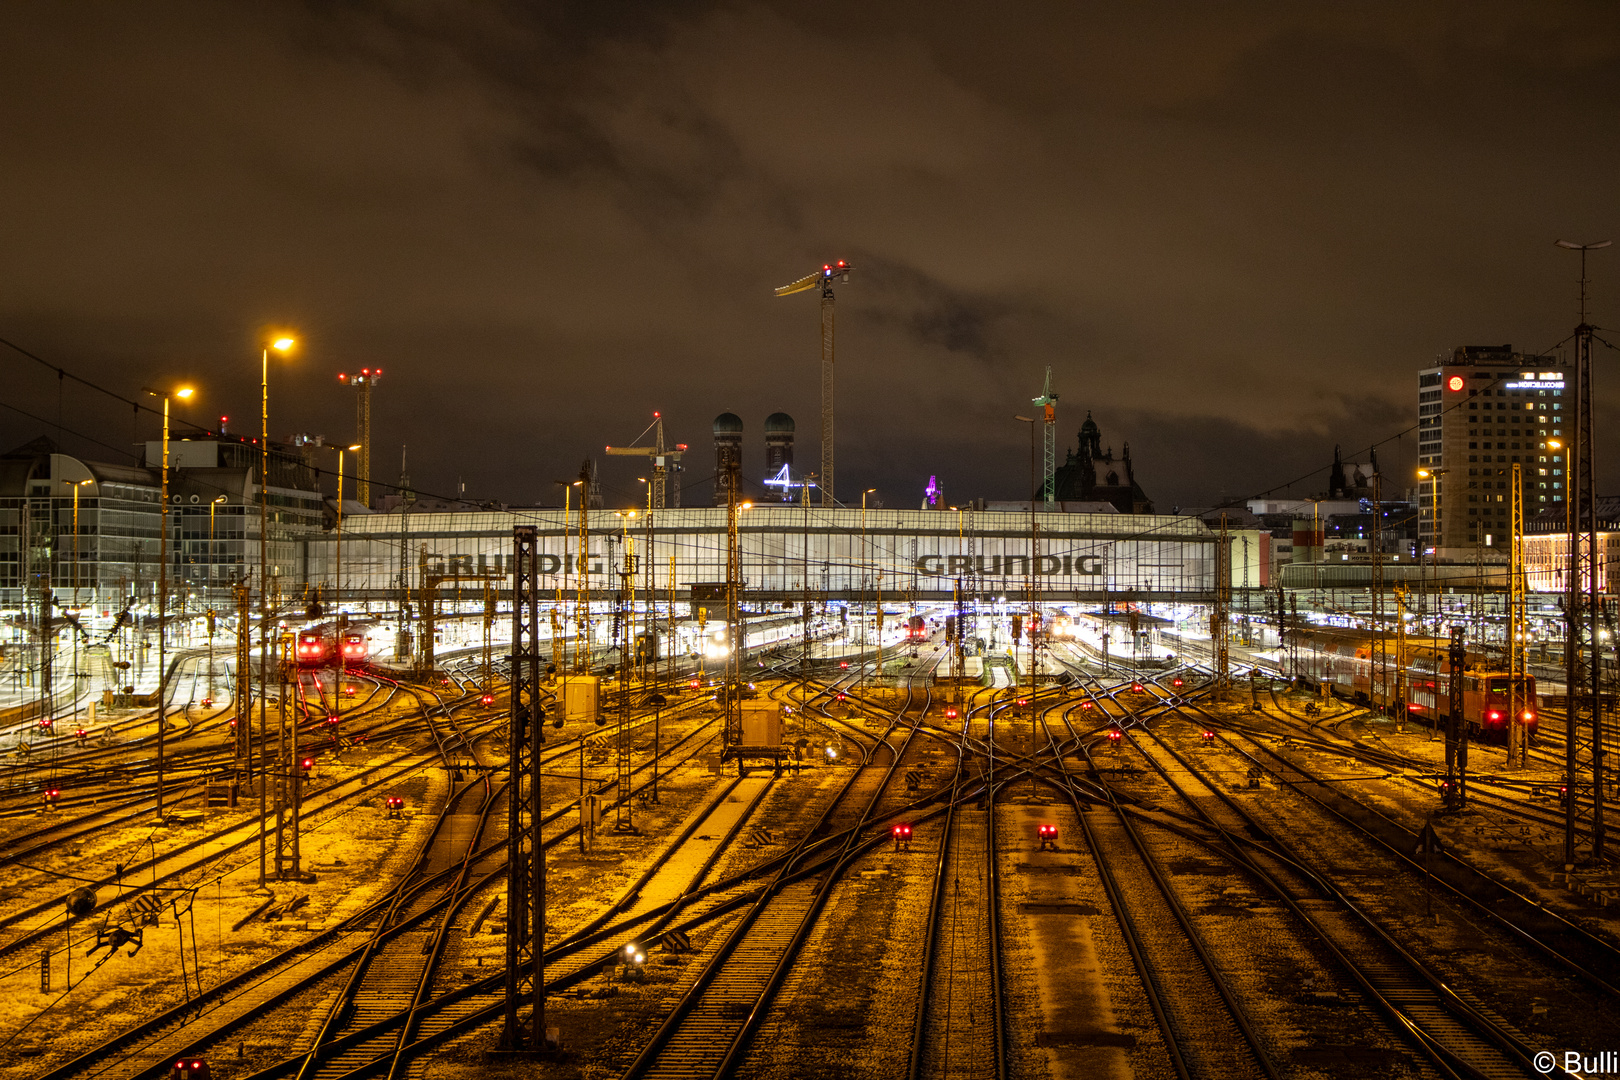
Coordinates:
[1363,666]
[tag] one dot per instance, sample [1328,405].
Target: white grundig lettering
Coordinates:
[1008,565]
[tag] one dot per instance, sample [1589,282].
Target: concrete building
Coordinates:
[1546,547]
[112,557]
[1481,412]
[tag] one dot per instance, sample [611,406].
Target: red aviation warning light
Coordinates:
[1454,383]
[1048,834]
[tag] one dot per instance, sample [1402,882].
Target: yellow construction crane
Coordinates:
[664,461]
[363,381]
[823,279]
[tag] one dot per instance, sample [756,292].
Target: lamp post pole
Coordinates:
[281,345]
[863,565]
[163,579]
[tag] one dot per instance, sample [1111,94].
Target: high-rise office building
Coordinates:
[1481,412]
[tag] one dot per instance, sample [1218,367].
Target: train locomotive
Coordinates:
[322,645]
[1363,666]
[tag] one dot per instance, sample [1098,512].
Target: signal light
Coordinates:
[1136,688]
[45,724]
[1114,736]
[902,837]
[1494,714]
[694,684]
[488,699]
[395,805]
[51,796]
[950,714]
[1175,681]
[82,734]
[843,664]
[1529,716]
[1086,704]
[1022,702]
[1048,834]
[1209,736]
[307,765]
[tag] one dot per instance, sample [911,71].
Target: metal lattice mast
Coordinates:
[362,383]
[823,280]
[244,679]
[582,592]
[526,865]
[1518,740]
[627,620]
[1220,620]
[827,313]
[734,644]
[1048,403]
[1581,611]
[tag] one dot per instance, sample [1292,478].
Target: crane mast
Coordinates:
[363,381]
[823,279]
[1048,403]
[664,462]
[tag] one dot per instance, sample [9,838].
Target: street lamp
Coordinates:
[282,344]
[1434,476]
[163,574]
[76,485]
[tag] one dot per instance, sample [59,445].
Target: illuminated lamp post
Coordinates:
[282,344]
[163,578]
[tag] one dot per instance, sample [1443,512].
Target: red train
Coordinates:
[321,646]
[1364,666]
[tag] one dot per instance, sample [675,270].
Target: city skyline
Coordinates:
[1233,248]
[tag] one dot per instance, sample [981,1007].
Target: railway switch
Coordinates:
[1048,834]
[902,837]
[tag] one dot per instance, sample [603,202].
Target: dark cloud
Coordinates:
[1233,231]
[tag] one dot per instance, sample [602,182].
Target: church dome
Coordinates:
[778,422]
[728,424]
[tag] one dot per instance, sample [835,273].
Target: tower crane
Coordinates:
[1048,403]
[823,279]
[664,461]
[363,381]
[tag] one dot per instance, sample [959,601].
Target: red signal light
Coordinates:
[1114,736]
[1175,682]
[1022,702]
[693,684]
[1136,688]
[902,831]
[950,714]
[488,699]
[1454,383]
[843,663]
[1085,704]
[1209,736]
[308,764]
[1493,715]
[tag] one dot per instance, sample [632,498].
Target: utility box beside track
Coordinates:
[582,697]
[761,725]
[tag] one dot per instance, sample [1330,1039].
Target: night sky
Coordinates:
[1234,231]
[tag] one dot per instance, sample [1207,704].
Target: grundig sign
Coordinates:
[1009,565]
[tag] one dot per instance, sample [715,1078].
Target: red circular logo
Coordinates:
[1455,382]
